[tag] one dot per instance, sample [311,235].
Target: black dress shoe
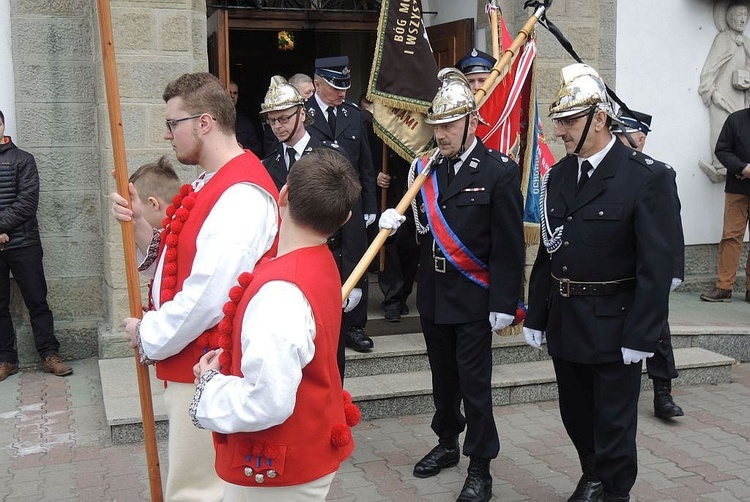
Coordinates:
[445,454]
[609,497]
[478,484]
[356,339]
[405,309]
[664,406]
[589,489]
[392,315]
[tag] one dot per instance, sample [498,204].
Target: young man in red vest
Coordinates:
[217,227]
[273,395]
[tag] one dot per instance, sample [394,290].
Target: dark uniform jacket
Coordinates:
[19,196]
[619,226]
[351,136]
[483,207]
[350,242]
[733,150]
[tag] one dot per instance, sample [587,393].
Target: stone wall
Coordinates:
[62,119]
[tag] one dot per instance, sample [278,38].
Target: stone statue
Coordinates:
[725,78]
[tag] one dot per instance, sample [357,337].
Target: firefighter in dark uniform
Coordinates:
[341,122]
[476,65]
[470,277]
[632,131]
[599,288]
[284,112]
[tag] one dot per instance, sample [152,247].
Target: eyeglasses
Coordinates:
[281,120]
[567,121]
[173,122]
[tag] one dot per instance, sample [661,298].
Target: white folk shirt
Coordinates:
[239,229]
[278,332]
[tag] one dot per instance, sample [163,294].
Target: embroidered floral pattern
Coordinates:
[193,408]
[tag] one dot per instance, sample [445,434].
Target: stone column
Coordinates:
[7,90]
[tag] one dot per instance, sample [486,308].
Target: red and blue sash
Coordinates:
[453,249]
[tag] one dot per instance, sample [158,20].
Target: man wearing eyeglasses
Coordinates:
[218,227]
[340,121]
[599,288]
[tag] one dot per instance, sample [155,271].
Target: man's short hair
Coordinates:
[300,78]
[156,179]
[204,93]
[323,186]
[2,117]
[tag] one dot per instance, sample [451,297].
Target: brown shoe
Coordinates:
[717,295]
[54,364]
[7,369]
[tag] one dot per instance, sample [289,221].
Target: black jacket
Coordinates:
[19,196]
[733,150]
[620,226]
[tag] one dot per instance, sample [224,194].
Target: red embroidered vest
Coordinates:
[243,168]
[315,439]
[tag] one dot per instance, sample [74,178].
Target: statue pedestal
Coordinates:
[714,173]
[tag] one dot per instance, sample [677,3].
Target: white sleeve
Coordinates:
[239,229]
[278,330]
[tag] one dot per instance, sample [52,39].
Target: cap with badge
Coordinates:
[476,62]
[335,71]
[632,122]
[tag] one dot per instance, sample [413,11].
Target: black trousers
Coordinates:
[396,280]
[26,265]
[599,409]
[662,366]
[460,358]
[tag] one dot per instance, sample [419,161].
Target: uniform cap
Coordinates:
[335,71]
[633,122]
[476,62]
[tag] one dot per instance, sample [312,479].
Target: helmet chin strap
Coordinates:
[630,139]
[589,119]
[462,148]
[296,123]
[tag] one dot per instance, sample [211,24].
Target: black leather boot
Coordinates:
[589,488]
[478,484]
[445,454]
[664,406]
[609,497]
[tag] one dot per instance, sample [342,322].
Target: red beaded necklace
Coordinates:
[225,325]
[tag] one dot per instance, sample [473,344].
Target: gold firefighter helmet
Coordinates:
[581,89]
[280,96]
[454,99]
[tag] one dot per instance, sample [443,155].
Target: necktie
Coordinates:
[451,170]
[332,119]
[291,155]
[585,168]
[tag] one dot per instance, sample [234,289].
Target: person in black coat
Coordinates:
[341,122]
[470,278]
[661,368]
[284,112]
[244,128]
[599,288]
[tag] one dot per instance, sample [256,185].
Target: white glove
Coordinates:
[369,220]
[534,337]
[499,320]
[352,300]
[676,281]
[391,219]
[634,356]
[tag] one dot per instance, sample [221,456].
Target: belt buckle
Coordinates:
[563,286]
[439,264]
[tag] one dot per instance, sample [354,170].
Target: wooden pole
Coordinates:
[499,69]
[128,241]
[495,32]
[383,199]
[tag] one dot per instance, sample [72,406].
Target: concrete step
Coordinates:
[396,393]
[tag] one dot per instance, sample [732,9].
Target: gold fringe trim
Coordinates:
[531,233]
[511,330]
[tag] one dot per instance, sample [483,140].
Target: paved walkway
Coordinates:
[58,449]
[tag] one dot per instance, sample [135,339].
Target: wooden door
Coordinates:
[451,41]
[217,30]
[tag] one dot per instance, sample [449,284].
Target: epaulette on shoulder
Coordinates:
[330,144]
[498,155]
[353,105]
[645,160]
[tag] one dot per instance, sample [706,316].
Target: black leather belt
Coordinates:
[568,288]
